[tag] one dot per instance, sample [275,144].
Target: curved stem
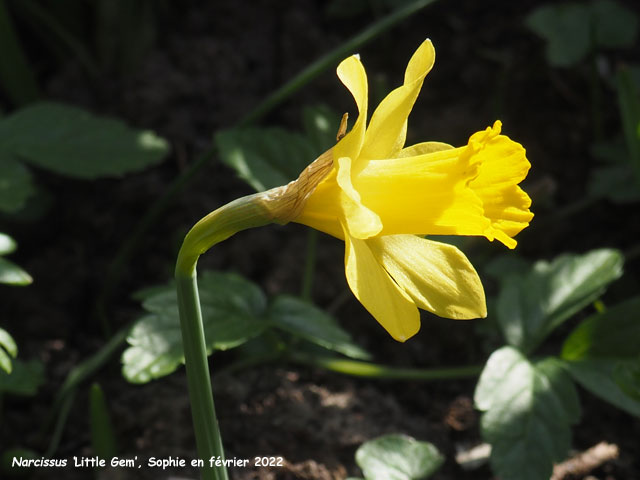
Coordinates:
[243,213]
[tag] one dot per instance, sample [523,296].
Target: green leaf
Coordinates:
[601,353]
[566,29]
[614,333]
[7,342]
[571,30]
[528,409]
[614,182]
[627,377]
[73,142]
[304,320]
[25,378]
[12,274]
[530,306]
[5,361]
[597,376]
[398,457]
[15,184]
[103,439]
[8,349]
[614,25]
[7,244]
[232,313]
[265,157]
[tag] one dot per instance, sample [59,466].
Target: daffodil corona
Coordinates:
[381,197]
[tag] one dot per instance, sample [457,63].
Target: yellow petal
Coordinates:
[360,221]
[502,165]
[335,202]
[378,293]
[426,194]
[438,277]
[353,76]
[385,136]
[323,207]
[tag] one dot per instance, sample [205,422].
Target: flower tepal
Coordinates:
[381,198]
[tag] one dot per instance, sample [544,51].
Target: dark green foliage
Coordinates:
[69,141]
[528,410]
[531,305]
[234,311]
[572,30]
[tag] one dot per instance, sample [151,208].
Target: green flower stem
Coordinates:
[208,440]
[246,212]
[372,370]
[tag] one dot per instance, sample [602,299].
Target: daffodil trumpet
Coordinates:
[384,200]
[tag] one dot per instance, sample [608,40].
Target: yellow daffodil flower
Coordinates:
[378,196]
[381,198]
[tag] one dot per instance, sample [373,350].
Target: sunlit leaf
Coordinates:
[232,313]
[15,184]
[7,342]
[25,378]
[532,305]
[398,457]
[614,333]
[602,354]
[528,409]
[5,361]
[12,274]
[597,376]
[7,244]
[8,349]
[73,142]
[265,157]
[308,322]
